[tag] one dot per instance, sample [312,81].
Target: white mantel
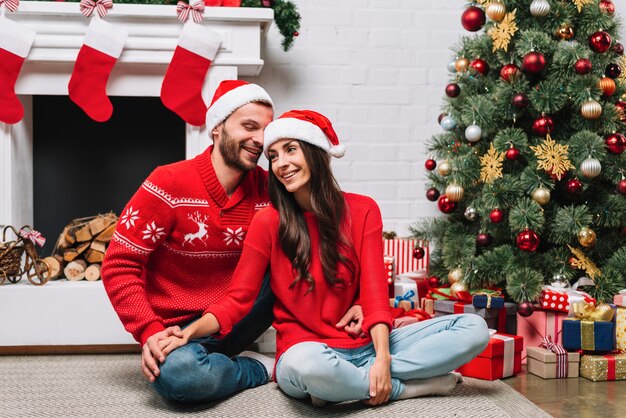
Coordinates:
[62,313]
[153,33]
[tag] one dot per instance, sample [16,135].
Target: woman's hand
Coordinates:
[173,342]
[380,381]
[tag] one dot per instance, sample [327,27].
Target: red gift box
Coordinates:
[539,325]
[557,298]
[402,250]
[502,358]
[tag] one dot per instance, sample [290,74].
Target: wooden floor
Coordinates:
[572,397]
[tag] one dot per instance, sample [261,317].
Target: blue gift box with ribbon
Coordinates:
[592,328]
[488,301]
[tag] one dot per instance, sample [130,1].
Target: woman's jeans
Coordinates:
[203,370]
[418,351]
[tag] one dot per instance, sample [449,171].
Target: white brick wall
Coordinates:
[377,69]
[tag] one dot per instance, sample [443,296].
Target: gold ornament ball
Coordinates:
[565,32]
[457,287]
[587,237]
[444,168]
[495,11]
[591,109]
[455,192]
[541,195]
[622,96]
[455,275]
[461,65]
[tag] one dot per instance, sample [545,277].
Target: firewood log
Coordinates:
[75,270]
[84,234]
[92,272]
[101,222]
[55,267]
[98,246]
[94,256]
[106,235]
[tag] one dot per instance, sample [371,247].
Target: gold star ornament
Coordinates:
[552,157]
[582,262]
[503,32]
[491,165]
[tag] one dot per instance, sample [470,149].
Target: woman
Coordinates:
[324,249]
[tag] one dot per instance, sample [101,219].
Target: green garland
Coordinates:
[286,15]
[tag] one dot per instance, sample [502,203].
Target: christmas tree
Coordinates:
[530,168]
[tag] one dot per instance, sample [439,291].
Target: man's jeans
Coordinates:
[203,370]
[418,351]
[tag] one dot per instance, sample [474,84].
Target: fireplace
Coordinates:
[35,314]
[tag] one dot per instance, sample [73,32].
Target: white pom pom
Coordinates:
[337,151]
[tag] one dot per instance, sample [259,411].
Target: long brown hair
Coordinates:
[329,206]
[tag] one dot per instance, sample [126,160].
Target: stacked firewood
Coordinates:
[80,249]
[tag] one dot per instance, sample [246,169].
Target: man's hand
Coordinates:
[352,321]
[151,353]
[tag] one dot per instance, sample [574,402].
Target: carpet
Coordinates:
[112,386]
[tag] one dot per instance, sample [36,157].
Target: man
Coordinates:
[177,244]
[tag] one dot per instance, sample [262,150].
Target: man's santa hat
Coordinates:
[229,96]
[307,126]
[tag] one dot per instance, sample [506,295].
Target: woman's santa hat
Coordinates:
[307,126]
[229,96]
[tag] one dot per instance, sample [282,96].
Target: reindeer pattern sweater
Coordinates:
[177,243]
[298,316]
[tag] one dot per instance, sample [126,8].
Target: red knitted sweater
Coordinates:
[312,317]
[177,244]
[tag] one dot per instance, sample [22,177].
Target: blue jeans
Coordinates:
[204,370]
[418,351]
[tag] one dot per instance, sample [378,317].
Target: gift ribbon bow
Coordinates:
[11,5]
[196,10]
[87,7]
[561,357]
[407,296]
[590,312]
[491,294]
[34,236]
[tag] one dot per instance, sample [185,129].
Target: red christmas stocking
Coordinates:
[15,43]
[101,48]
[182,86]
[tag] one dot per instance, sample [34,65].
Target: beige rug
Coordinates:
[112,386]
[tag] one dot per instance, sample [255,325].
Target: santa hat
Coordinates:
[307,126]
[229,96]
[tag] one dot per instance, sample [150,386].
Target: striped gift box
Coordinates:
[402,250]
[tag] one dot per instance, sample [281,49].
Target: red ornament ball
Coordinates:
[525,309]
[527,240]
[520,100]
[583,66]
[621,186]
[453,90]
[574,186]
[446,205]
[621,106]
[296,34]
[483,240]
[441,116]
[600,42]
[512,154]
[430,164]
[612,71]
[543,125]
[433,281]
[534,63]
[473,19]
[607,6]
[615,143]
[419,253]
[480,65]
[432,194]
[509,72]
[496,216]
[618,48]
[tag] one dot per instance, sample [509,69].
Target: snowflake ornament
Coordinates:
[235,236]
[129,217]
[491,165]
[580,3]
[552,157]
[582,262]
[153,232]
[504,31]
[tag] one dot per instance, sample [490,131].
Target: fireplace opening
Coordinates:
[82,167]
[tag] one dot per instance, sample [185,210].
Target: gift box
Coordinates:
[543,363]
[402,250]
[540,325]
[620,329]
[390,268]
[488,300]
[502,358]
[602,368]
[504,320]
[407,289]
[428,306]
[620,299]
[588,335]
[399,302]
[557,298]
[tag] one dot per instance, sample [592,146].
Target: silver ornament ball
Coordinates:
[452,67]
[559,278]
[539,8]
[591,167]
[447,123]
[471,214]
[473,133]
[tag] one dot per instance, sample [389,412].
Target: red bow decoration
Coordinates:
[34,236]
[87,7]
[11,5]
[196,10]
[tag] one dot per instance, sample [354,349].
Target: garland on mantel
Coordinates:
[286,15]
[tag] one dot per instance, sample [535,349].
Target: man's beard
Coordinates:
[230,150]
